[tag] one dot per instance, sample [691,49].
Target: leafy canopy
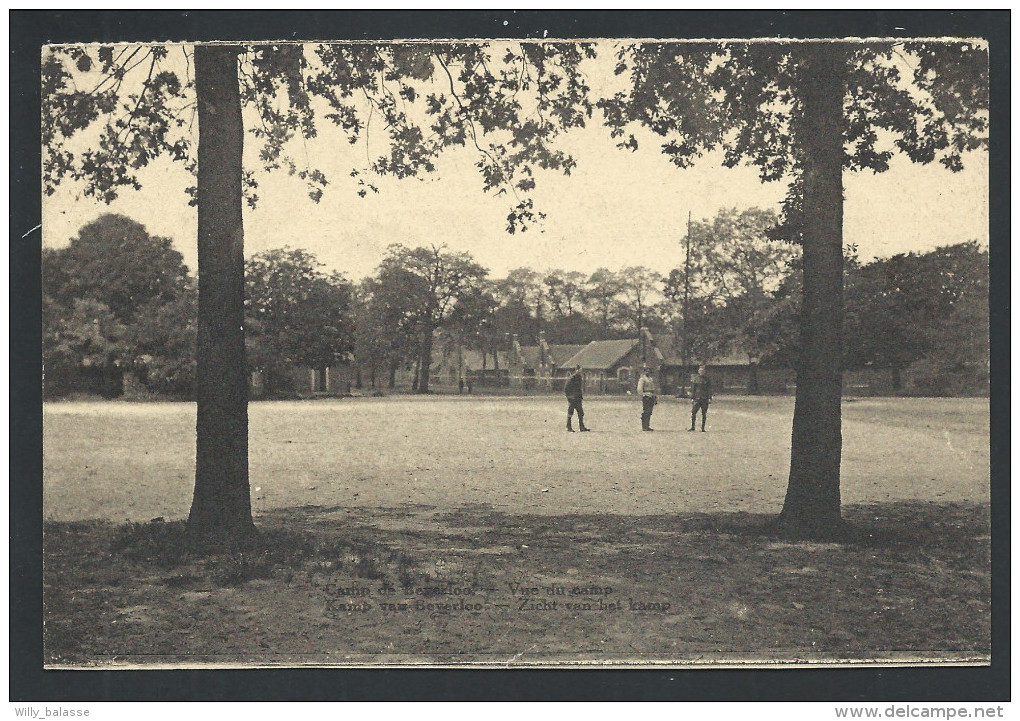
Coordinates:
[114,260]
[296,313]
[108,111]
[116,296]
[433,279]
[928,100]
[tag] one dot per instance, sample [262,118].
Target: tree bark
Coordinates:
[752,379]
[425,362]
[812,504]
[221,508]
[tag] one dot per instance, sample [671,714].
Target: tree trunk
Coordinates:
[221,508]
[897,378]
[393,374]
[752,379]
[112,380]
[425,362]
[812,504]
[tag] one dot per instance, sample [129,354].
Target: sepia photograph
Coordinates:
[516,352]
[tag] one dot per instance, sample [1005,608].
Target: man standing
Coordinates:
[575,394]
[647,390]
[701,392]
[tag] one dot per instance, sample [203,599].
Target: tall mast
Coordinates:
[684,350]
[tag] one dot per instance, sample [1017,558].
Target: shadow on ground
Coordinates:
[415,584]
[888,525]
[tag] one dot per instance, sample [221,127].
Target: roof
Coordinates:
[601,354]
[471,359]
[557,355]
[562,353]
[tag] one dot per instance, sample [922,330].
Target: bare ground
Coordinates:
[479,531]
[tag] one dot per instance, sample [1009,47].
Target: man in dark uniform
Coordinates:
[701,392]
[575,393]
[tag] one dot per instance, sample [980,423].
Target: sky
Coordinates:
[617,209]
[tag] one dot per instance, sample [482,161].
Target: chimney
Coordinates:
[542,348]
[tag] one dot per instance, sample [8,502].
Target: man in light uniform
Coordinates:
[647,390]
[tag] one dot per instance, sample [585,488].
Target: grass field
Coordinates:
[135,461]
[376,511]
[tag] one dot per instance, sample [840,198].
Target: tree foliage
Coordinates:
[118,299]
[600,296]
[85,333]
[297,315]
[565,290]
[703,330]
[735,269]
[162,340]
[507,101]
[639,292]
[432,280]
[474,321]
[913,306]
[114,260]
[385,327]
[928,100]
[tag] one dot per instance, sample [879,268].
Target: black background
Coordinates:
[30,30]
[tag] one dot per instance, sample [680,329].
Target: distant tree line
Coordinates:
[926,311]
[118,301]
